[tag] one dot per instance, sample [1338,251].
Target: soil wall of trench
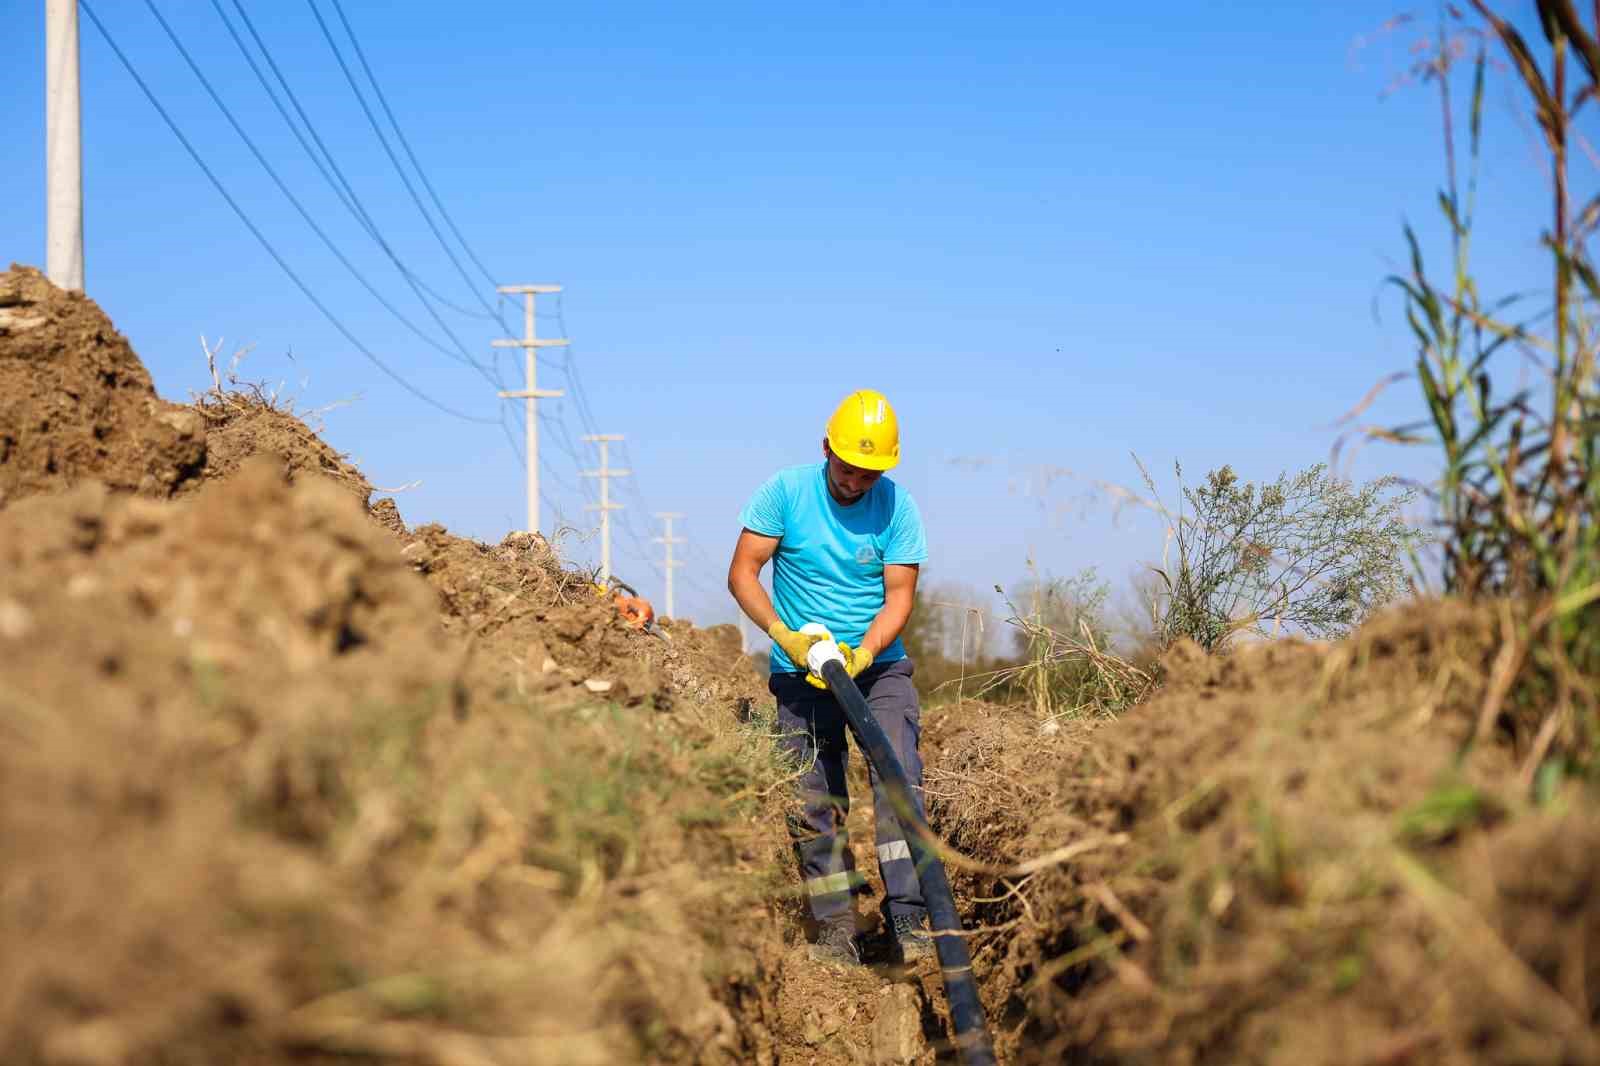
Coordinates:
[1291,854]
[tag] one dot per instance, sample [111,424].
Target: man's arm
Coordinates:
[899,593]
[750,554]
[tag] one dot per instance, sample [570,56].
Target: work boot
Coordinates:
[836,944]
[911,934]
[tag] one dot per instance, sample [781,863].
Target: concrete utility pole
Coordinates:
[532,394]
[63,147]
[605,506]
[669,540]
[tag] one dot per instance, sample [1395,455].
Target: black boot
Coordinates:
[836,944]
[912,936]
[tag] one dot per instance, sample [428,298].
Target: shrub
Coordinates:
[1309,553]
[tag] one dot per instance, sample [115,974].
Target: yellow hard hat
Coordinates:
[864,431]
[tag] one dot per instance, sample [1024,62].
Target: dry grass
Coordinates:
[1065,675]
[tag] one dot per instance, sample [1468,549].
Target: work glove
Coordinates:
[795,645]
[855,659]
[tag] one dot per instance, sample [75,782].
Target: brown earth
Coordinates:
[281,779]
[76,403]
[243,425]
[1287,856]
[285,779]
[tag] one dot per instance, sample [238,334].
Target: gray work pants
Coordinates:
[813,729]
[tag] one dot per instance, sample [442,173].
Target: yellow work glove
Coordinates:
[795,645]
[855,659]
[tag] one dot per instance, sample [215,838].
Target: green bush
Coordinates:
[1309,554]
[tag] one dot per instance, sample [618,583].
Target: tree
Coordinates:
[1310,554]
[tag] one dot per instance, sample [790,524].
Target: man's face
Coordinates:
[848,483]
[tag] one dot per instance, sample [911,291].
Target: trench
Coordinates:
[883,1013]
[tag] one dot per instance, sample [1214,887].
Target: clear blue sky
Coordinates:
[1055,234]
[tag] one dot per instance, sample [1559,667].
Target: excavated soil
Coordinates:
[284,779]
[243,425]
[76,403]
[1287,856]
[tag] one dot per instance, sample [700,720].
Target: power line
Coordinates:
[585,414]
[558,422]
[492,312]
[353,203]
[388,150]
[341,185]
[283,188]
[261,237]
[404,143]
[348,192]
[587,417]
[574,379]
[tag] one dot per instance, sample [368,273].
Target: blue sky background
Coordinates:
[1054,234]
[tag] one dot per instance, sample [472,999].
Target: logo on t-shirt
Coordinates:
[866,555]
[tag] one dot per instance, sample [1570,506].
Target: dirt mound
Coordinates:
[263,569]
[283,780]
[240,425]
[76,403]
[333,825]
[1284,857]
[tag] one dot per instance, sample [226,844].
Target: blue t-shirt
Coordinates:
[829,564]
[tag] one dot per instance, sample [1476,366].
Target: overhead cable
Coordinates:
[255,231]
[290,196]
[342,187]
[377,129]
[399,133]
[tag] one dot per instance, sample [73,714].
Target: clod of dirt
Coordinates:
[386,513]
[76,403]
[897,1037]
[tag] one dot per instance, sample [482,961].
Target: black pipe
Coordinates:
[955,962]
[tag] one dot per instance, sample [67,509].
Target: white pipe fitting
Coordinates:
[823,651]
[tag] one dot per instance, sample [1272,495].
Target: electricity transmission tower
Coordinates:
[669,540]
[531,394]
[605,506]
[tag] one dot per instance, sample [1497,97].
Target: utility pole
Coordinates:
[605,506]
[669,540]
[63,147]
[532,394]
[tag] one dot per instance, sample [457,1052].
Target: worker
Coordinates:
[845,544]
